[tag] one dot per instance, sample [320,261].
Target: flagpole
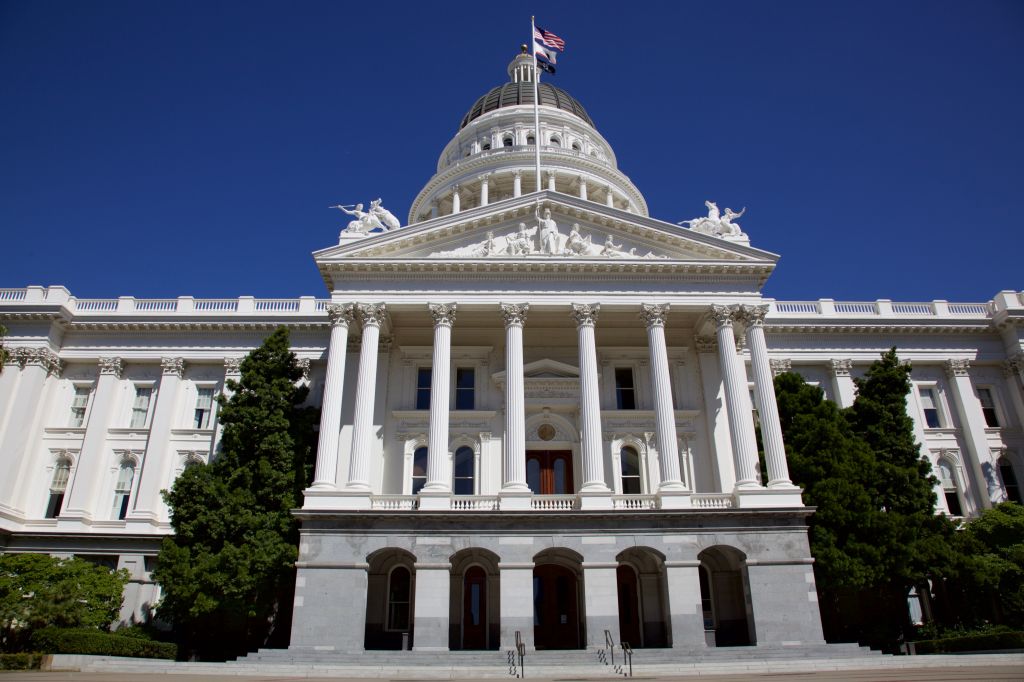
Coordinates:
[536,100]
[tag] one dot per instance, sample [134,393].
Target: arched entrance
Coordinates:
[723,578]
[642,592]
[556,600]
[391,583]
[475,612]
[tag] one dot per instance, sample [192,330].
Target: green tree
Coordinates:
[37,590]
[991,567]
[227,573]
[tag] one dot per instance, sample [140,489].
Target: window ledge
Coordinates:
[192,432]
[65,430]
[139,432]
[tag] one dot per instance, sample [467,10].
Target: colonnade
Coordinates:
[594,491]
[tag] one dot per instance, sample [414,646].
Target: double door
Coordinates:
[549,472]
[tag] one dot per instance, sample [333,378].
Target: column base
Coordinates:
[595,500]
[768,498]
[514,499]
[435,501]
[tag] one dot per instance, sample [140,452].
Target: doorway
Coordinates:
[629,605]
[556,613]
[549,472]
[474,609]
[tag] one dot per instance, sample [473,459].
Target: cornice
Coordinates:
[888,327]
[108,325]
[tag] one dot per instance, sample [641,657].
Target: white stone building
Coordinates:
[538,410]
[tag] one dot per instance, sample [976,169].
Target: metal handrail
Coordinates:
[521,650]
[627,653]
[610,643]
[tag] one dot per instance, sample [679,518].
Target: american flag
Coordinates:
[548,38]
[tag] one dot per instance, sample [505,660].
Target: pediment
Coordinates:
[543,369]
[517,230]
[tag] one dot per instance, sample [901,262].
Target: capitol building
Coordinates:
[539,403]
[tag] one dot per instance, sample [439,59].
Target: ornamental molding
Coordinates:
[841,368]
[833,327]
[372,314]
[780,366]
[654,315]
[753,315]
[585,314]
[35,357]
[442,313]
[172,367]
[514,313]
[724,315]
[112,366]
[957,367]
[340,315]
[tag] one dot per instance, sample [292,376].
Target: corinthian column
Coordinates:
[438,480]
[741,425]
[326,476]
[514,463]
[664,413]
[585,316]
[371,316]
[767,408]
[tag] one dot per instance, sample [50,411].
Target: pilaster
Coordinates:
[148,505]
[972,421]
[842,382]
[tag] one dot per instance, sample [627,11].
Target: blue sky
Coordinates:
[159,149]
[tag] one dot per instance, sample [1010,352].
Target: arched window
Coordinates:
[556,141]
[630,468]
[530,139]
[950,491]
[419,469]
[486,146]
[463,471]
[576,146]
[1009,480]
[61,474]
[506,141]
[399,592]
[123,489]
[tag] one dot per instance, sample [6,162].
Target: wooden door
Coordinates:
[549,472]
[474,609]
[629,606]
[556,614]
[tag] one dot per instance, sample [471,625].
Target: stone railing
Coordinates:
[394,502]
[634,502]
[880,308]
[182,305]
[712,501]
[475,503]
[553,502]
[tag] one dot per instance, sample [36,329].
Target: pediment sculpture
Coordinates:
[377,218]
[715,223]
[544,240]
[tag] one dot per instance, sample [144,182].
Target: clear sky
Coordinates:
[192,147]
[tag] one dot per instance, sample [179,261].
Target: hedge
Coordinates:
[989,642]
[97,643]
[20,661]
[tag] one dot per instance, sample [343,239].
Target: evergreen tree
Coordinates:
[227,573]
[991,568]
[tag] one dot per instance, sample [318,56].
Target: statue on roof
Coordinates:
[549,235]
[384,216]
[364,222]
[716,224]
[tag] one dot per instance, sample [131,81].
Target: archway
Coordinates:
[723,578]
[474,614]
[390,599]
[642,595]
[557,598]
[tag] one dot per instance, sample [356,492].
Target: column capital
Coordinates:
[585,314]
[841,368]
[705,344]
[112,366]
[1013,364]
[372,314]
[232,366]
[653,315]
[517,173]
[780,365]
[172,366]
[41,357]
[484,177]
[753,315]
[514,313]
[340,314]
[723,315]
[443,313]
[957,367]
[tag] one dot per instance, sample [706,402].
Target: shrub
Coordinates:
[97,643]
[986,642]
[20,661]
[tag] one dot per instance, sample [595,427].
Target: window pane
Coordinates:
[533,475]
[419,470]
[931,412]
[140,408]
[1009,480]
[78,405]
[60,477]
[464,462]
[423,376]
[465,387]
[625,392]
[560,479]
[988,407]
[630,462]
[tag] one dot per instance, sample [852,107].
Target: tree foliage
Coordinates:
[991,566]
[227,573]
[37,590]
[874,534]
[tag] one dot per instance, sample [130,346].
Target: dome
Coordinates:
[520,91]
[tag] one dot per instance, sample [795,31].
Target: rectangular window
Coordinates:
[79,404]
[423,377]
[465,388]
[204,408]
[929,406]
[140,408]
[625,390]
[988,407]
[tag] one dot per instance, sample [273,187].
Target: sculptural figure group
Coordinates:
[377,218]
[715,223]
